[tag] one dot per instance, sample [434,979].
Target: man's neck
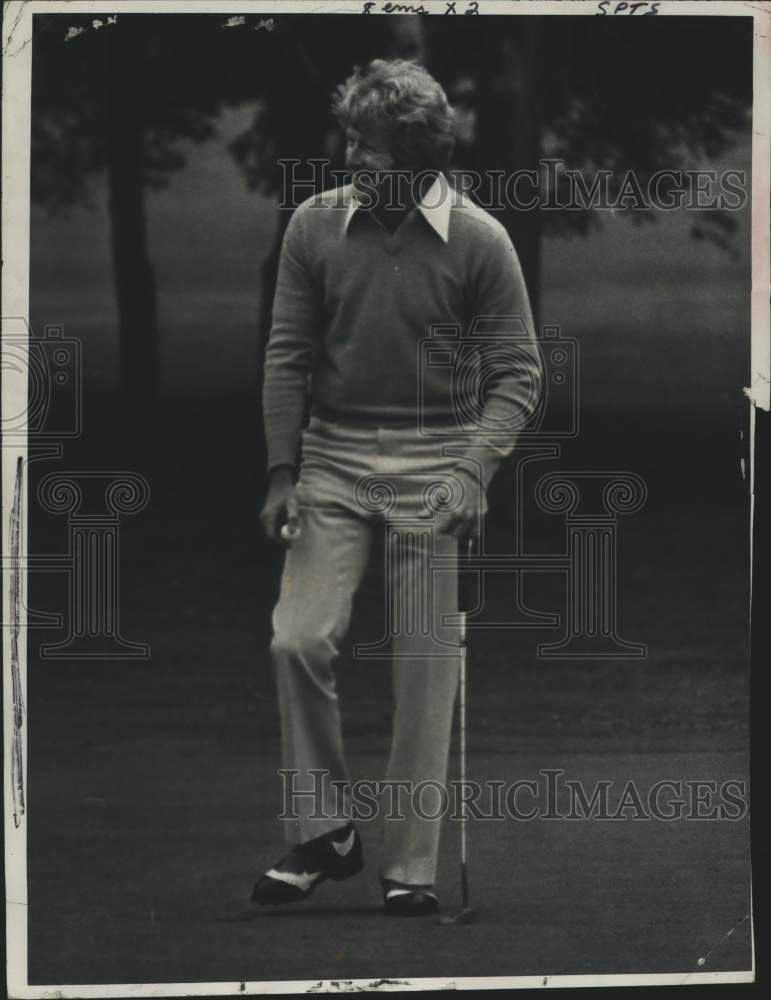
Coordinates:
[391,216]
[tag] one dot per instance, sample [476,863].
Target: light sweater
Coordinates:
[375,319]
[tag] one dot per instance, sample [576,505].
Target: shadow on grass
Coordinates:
[248,916]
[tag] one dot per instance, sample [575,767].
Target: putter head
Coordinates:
[466,916]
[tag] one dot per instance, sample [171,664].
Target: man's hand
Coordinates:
[466,518]
[281,506]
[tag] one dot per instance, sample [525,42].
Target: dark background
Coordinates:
[154,234]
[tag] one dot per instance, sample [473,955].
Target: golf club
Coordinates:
[466,914]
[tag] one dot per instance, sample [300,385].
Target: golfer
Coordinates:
[364,277]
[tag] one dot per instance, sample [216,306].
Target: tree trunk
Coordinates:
[509,137]
[132,268]
[523,133]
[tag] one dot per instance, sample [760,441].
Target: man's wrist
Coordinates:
[284,472]
[470,474]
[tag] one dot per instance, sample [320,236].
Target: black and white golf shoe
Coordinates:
[403,900]
[336,855]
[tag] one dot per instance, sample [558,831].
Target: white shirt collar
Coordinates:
[435,206]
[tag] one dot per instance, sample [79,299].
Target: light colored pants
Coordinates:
[350,477]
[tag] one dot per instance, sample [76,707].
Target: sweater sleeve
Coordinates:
[511,369]
[291,344]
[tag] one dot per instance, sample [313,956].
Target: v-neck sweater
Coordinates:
[378,327]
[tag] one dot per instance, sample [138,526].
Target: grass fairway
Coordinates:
[152,786]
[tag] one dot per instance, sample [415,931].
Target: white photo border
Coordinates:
[16,109]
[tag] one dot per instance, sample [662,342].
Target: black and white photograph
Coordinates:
[381,391]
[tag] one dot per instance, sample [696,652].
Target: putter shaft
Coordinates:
[466,914]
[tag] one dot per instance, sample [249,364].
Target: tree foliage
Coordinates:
[126,95]
[612,94]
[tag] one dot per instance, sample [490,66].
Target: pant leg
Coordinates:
[322,571]
[425,674]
